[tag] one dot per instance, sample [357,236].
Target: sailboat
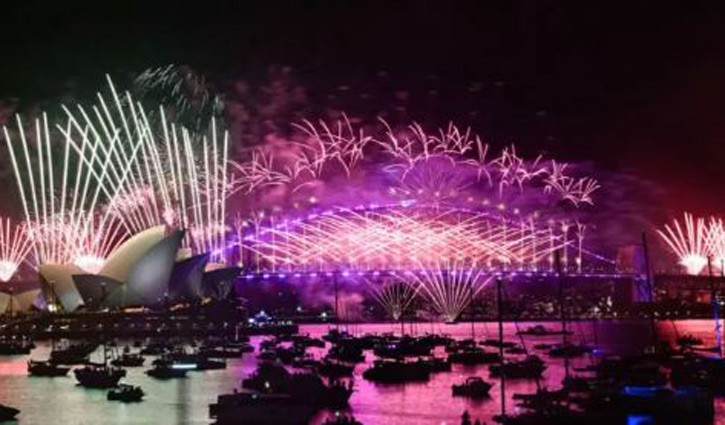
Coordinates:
[8,413]
[47,368]
[102,375]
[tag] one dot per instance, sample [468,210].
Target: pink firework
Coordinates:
[399,239]
[14,247]
[688,241]
[449,287]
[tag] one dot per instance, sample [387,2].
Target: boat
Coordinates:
[306,387]
[125,393]
[542,397]
[516,350]
[405,347]
[665,406]
[73,354]
[396,372]
[15,347]
[688,341]
[306,362]
[474,387]
[436,364]
[128,359]
[99,376]
[46,368]
[288,355]
[701,372]
[210,364]
[155,349]
[223,352]
[334,336]
[498,344]
[474,356]
[269,377]
[307,341]
[193,361]
[8,413]
[310,389]
[260,409]
[165,369]
[342,420]
[347,352]
[540,330]
[531,367]
[569,350]
[333,369]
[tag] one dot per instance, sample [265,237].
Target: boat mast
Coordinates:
[470,305]
[337,302]
[53,301]
[499,303]
[650,289]
[562,310]
[715,307]
[11,302]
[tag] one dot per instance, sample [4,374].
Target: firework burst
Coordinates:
[688,241]
[449,287]
[395,296]
[119,175]
[14,247]
[400,238]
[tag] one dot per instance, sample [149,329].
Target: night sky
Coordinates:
[633,86]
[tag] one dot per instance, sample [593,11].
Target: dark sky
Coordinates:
[632,85]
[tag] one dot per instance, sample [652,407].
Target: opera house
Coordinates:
[143,271]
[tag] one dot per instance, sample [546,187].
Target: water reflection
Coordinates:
[186,401]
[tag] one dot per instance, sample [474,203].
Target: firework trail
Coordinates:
[186,92]
[14,247]
[689,242]
[449,287]
[399,239]
[119,175]
[426,166]
[58,227]
[395,296]
[178,179]
[716,242]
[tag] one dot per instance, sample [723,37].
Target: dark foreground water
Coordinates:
[185,401]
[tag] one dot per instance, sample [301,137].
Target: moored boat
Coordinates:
[46,368]
[99,376]
[8,413]
[125,393]
[474,387]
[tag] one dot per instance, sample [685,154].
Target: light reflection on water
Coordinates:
[186,401]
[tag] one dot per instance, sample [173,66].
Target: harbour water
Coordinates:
[186,401]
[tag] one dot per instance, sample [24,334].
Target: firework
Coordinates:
[395,296]
[449,287]
[56,227]
[716,242]
[430,167]
[689,242]
[120,174]
[14,247]
[326,143]
[180,88]
[178,178]
[399,238]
